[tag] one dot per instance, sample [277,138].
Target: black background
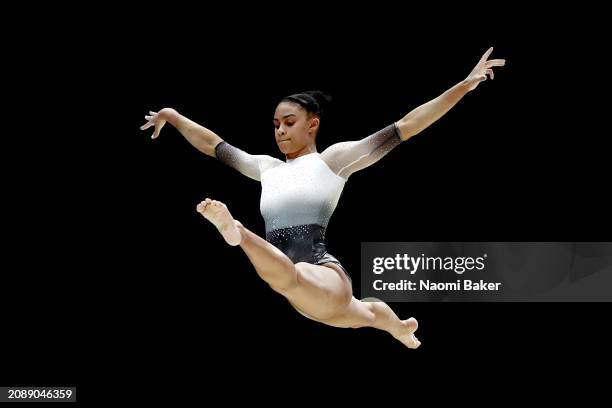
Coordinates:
[115,279]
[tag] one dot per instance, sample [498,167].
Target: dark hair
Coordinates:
[314,102]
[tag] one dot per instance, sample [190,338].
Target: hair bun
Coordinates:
[321,97]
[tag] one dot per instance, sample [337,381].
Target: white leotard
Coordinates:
[306,190]
[301,191]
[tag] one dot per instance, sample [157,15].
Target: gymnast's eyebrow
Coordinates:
[286,116]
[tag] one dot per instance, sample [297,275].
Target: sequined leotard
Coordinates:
[299,196]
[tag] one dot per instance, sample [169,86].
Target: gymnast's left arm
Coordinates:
[345,158]
[426,114]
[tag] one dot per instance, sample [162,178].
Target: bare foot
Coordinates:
[217,213]
[406,333]
[387,320]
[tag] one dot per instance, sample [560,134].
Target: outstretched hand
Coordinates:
[154,119]
[482,69]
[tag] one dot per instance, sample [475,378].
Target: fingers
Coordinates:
[486,54]
[490,73]
[495,63]
[158,128]
[150,120]
[146,126]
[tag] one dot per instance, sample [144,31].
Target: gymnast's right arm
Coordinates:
[209,143]
[201,138]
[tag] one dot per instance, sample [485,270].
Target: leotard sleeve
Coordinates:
[345,158]
[250,165]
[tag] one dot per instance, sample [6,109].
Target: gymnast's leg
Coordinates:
[322,292]
[319,291]
[379,316]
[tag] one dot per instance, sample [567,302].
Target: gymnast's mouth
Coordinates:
[284,140]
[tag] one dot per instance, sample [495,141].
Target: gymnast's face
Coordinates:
[295,128]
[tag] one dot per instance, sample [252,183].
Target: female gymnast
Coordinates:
[299,196]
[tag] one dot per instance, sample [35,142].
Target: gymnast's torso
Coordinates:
[299,196]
